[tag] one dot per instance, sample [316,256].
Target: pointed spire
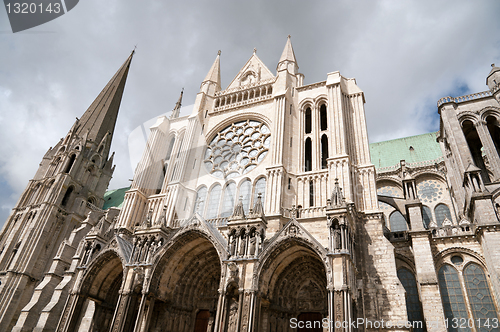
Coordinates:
[100,117]
[288,57]
[258,208]
[239,211]
[288,54]
[337,198]
[214,72]
[177,108]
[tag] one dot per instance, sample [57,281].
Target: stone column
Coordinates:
[71,312]
[489,147]
[120,314]
[220,314]
[338,309]
[331,311]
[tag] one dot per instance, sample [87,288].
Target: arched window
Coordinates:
[398,222]
[452,296]
[67,195]
[413,304]
[214,199]
[180,146]
[260,187]
[475,147]
[308,155]
[170,148]
[480,299]
[228,202]
[323,117]
[70,164]
[199,203]
[441,212]
[311,193]
[308,121]
[426,216]
[244,193]
[324,151]
[493,128]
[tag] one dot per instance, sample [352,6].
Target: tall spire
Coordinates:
[214,73]
[100,117]
[288,57]
[177,108]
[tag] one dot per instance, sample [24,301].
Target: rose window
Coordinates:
[237,149]
[429,191]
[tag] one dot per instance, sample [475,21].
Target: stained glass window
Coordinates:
[413,305]
[452,296]
[480,299]
[390,191]
[237,149]
[245,189]
[430,191]
[398,222]
[426,216]
[199,203]
[384,206]
[229,197]
[441,212]
[213,206]
[260,187]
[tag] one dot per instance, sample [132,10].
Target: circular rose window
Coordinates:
[237,149]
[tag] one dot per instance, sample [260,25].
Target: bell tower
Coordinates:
[70,182]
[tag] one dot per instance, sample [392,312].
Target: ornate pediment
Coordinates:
[251,73]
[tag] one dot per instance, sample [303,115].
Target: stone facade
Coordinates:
[260,210]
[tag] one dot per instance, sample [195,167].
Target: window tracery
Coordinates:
[237,149]
[430,191]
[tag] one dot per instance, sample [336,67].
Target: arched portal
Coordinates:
[293,284]
[99,295]
[186,282]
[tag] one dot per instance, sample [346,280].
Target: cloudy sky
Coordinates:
[405,55]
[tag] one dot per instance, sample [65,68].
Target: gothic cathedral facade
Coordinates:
[263,209]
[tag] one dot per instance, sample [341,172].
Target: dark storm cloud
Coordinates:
[405,56]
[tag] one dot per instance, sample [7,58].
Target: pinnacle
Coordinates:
[214,72]
[288,54]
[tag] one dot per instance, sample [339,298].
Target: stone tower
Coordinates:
[70,182]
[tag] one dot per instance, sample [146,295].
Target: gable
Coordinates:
[253,71]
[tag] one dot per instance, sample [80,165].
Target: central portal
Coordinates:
[311,322]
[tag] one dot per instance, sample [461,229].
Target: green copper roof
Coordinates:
[411,149]
[114,198]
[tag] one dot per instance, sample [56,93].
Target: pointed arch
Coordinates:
[199,203]
[324,151]
[67,195]
[70,163]
[185,279]
[308,155]
[228,200]
[214,201]
[308,120]
[451,294]
[99,291]
[259,187]
[398,222]
[323,117]
[244,192]
[413,303]
[442,212]
[291,273]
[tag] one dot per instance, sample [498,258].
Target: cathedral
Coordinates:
[265,209]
